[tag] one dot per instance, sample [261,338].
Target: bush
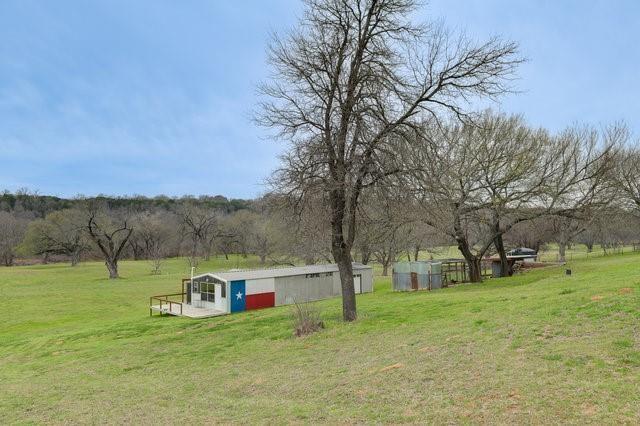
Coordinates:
[306,319]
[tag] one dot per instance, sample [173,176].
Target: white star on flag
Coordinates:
[239,295]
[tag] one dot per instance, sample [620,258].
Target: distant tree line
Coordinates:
[396,220]
[111,228]
[36,205]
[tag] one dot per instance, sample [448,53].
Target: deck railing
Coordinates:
[164,298]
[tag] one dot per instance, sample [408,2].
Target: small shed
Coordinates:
[430,274]
[219,293]
[419,275]
[517,255]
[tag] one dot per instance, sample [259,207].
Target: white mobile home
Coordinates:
[219,293]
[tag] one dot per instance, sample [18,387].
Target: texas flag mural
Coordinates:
[252,294]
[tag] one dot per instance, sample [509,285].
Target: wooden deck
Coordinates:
[187,310]
[174,304]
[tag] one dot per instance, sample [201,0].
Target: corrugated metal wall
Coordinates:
[367,280]
[300,288]
[421,275]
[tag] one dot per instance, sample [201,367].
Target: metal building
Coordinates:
[219,293]
[419,275]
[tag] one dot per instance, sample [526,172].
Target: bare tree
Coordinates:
[109,230]
[60,232]
[352,80]
[237,229]
[425,237]
[253,232]
[565,231]
[384,218]
[156,235]
[628,171]
[306,234]
[467,175]
[611,228]
[532,234]
[200,227]
[12,230]
[479,180]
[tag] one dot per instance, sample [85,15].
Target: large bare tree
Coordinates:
[351,81]
[476,181]
[109,229]
[60,232]
[468,176]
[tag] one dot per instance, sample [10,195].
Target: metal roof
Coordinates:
[279,272]
[523,250]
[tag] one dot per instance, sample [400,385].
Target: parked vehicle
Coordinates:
[522,251]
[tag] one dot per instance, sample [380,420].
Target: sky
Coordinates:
[156,96]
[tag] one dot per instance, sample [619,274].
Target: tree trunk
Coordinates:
[505,265]
[366,256]
[536,246]
[416,252]
[341,251]
[194,249]
[263,259]
[473,261]
[475,269]
[385,269]
[345,266]
[75,258]
[562,247]
[136,251]
[112,266]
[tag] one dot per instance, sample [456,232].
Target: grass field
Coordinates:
[541,347]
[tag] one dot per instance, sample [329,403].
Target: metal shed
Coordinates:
[433,274]
[419,275]
[219,293]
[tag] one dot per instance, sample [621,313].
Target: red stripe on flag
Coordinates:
[261,300]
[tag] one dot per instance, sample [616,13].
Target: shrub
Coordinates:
[306,319]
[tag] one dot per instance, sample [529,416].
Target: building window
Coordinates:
[207,292]
[206,286]
[318,275]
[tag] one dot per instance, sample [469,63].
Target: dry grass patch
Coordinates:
[392,367]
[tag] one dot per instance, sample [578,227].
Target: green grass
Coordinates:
[541,347]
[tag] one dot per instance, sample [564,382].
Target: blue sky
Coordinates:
[155,97]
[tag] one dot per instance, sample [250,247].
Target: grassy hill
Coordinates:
[539,347]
